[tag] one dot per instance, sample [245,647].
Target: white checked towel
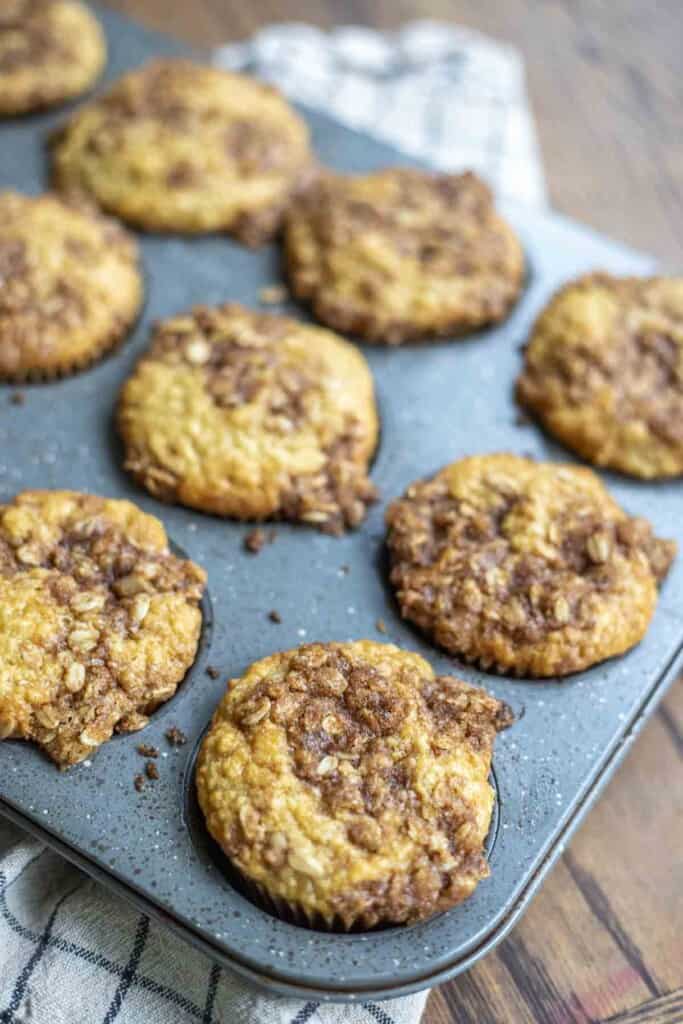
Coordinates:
[71,953]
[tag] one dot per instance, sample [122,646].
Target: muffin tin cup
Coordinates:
[213,855]
[438,402]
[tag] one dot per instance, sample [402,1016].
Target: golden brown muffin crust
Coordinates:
[253,416]
[70,285]
[99,622]
[176,146]
[350,783]
[603,371]
[525,567]
[50,51]
[402,254]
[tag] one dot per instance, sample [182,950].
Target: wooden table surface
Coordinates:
[603,941]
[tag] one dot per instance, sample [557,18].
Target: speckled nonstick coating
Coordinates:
[438,403]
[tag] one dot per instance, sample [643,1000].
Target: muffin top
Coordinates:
[98,620]
[50,51]
[350,782]
[603,371]
[525,567]
[254,416]
[177,146]
[402,254]
[71,285]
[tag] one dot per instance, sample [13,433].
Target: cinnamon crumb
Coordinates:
[175,736]
[212,672]
[151,770]
[146,750]
[274,616]
[139,783]
[254,541]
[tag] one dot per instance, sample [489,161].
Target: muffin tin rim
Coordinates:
[156,42]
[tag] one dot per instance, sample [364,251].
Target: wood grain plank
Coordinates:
[666,1009]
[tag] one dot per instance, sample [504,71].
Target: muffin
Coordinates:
[253,416]
[177,146]
[603,372]
[349,785]
[50,51]
[99,622]
[401,255]
[71,286]
[528,568]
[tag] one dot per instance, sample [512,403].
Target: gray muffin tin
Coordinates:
[438,402]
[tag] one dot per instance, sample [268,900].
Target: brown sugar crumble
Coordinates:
[139,783]
[151,771]
[147,750]
[254,541]
[175,736]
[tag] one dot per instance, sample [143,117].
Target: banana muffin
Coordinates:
[603,372]
[253,416]
[177,146]
[401,255]
[99,622]
[525,567]
[349,785]
[50,51]
[70,286]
